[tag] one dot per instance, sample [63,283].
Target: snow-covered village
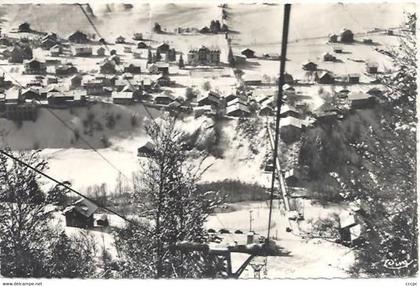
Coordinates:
[208,140]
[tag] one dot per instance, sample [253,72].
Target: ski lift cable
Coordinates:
[66,125]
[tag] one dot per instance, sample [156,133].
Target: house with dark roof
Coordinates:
[248,53]
[142,45]
[56,50]
[147,150]
[325,78]
[353,78]
[210,98]
[309,66]
[162,48]
[80,214]
[132,68]
[238,109]
[78,37]
[371,67]
[34,66]
[203,56]
[120,40]
[346,36]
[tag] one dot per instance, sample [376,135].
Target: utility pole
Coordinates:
[250,220]
[286,18]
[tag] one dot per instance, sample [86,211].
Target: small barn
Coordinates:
[82,51]
[34,66]
[332,38]
[325,78]
[353,78]
[137,36]
[142,45]
[310,66]
[211,98]
[147,150]
[164,99]
[289,111]
[124,97]
[162,48]
[80,214]
[248,53]
[238,110]
[372,67]
[24,28]
[120,40]
[346,36]
[361,100]
[56,50]
[338,49]
[327,57]
[78,37]
[133,68]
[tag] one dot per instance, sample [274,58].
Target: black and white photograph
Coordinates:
[208,140]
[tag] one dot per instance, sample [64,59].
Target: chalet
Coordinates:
[248,53]
[372,67]
[120,40]
[211,98]
[272,56]
[33,94]
[142,45]
[75,81]
[290,129]
[133,68]
[346,36]
[162,48]
[288,78]
[94,87]
[203,110]
[266,111]
[51,36]
[125,97]
[332,38]
[170,55]
[329,57]
[47,43]
[13,96]
[100,52]
[58,98]
[34,66]
[164,98]
[65,70]
[56,50]
[238,110]
[107,67]
[78,38]
[361,100]
[163,80]
[162,68]
[310,66]
[252,79]
[138,36]
[81,51]
[203,56]
[353,78]
[80,214]
[239,59]
[52,79]
[147,150]
[289,111]
[325,78]
[367,41]
[24,28]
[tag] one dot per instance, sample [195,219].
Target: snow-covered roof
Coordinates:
[291,121]
[82,206]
